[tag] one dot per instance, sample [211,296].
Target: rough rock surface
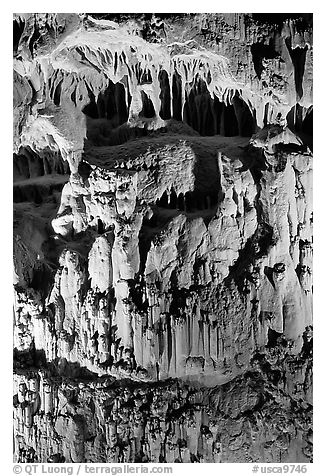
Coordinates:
[163,238]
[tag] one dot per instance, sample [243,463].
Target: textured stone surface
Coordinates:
[163,237]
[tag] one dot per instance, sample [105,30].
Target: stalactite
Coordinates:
[177,97]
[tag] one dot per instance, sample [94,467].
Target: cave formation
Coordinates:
[163,242]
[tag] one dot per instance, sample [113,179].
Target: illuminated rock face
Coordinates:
[163,229]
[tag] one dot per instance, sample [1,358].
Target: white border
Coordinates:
[319,11]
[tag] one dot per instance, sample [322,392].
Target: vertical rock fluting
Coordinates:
[162,238]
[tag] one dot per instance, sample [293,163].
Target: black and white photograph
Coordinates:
[162,239]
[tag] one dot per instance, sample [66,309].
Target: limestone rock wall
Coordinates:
[258,416]
[162,237]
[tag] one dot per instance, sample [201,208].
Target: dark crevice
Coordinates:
[27,164]
[148,110]
[257,246]
[145,239]
[57,93]
[177,97]
[246,121]
[229,123]
[18,29]
[198,111]
[294,118]
[273,338]
[143,76]
[137,293]
[210,116]
[301,124]
[91,109]
[38,193]
[190,202]
[100,227]
[84,169]
[298,57]
[107,114]
[307,123]
[165,95]
[303,21]
[259,52]
[110,105]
